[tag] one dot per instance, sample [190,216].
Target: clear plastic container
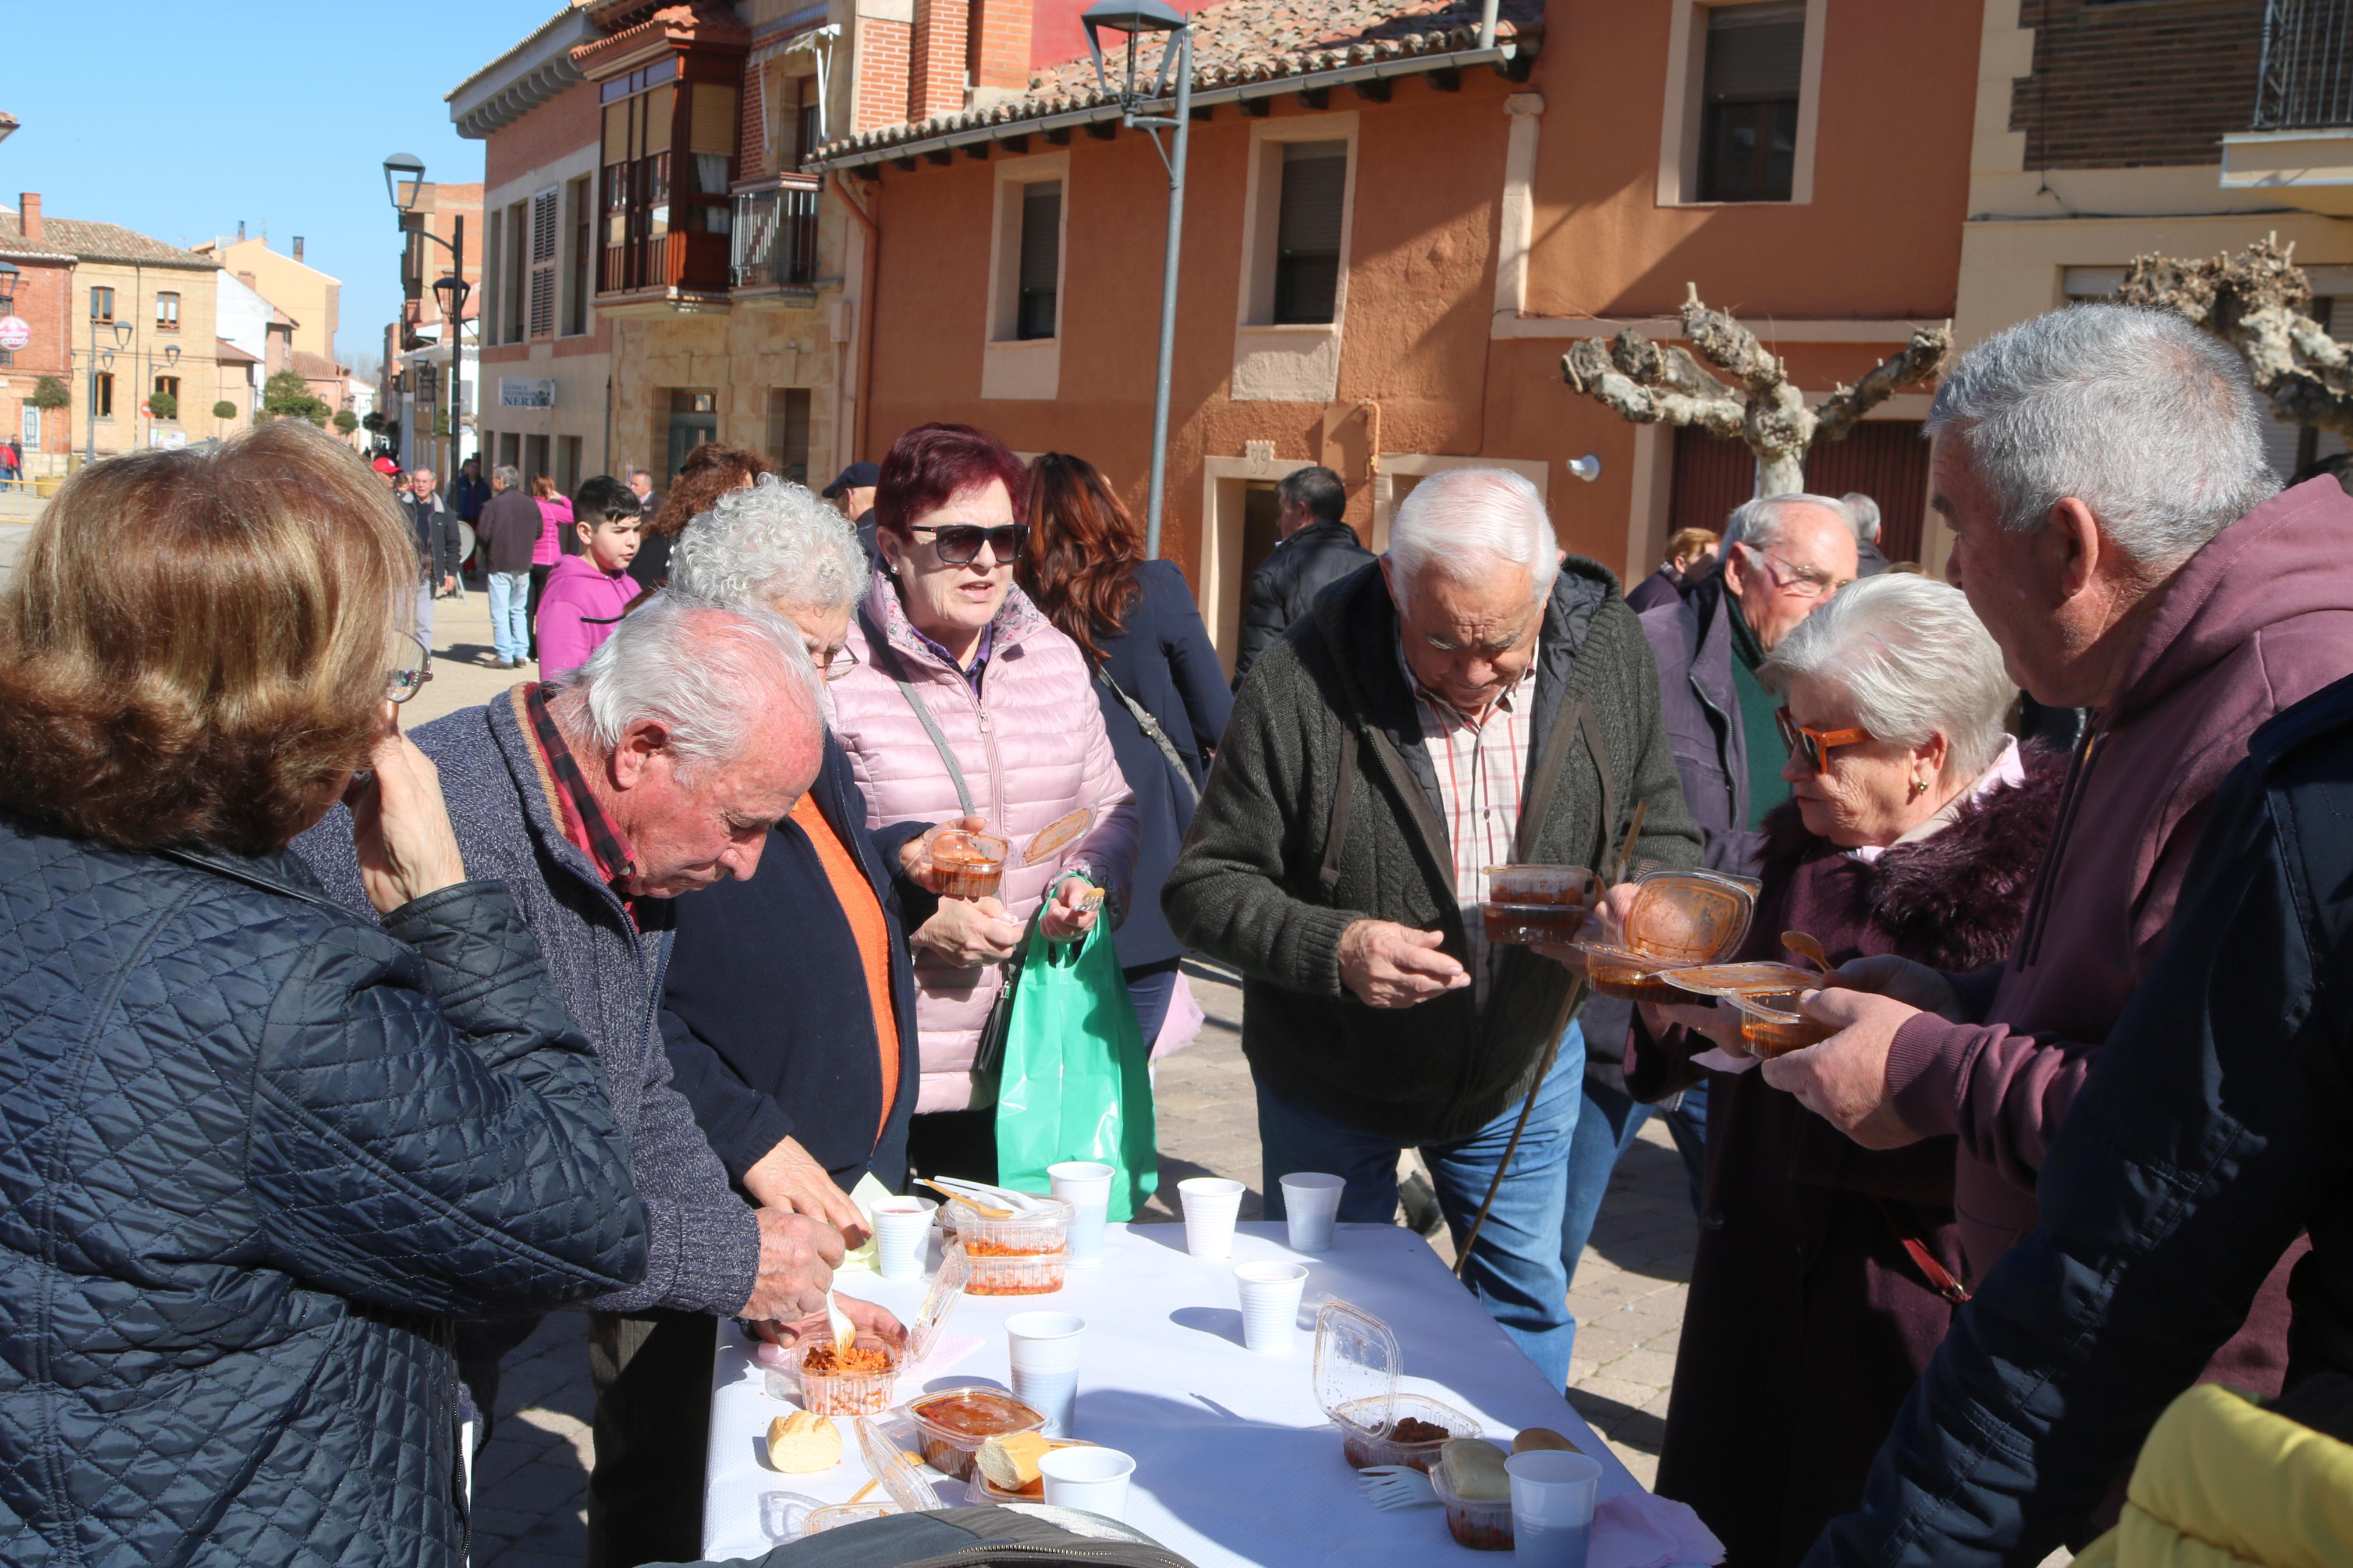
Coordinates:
[1357,1362]
[1757,980]
[955,1423]
[1525,925]
[1678,919]
[971,865]
[1529,904]
[982,1490]
[835,1515]
[1025,1255]
[1770,1031]
[892,1447]
[1482,1526]
[846,1393]
[945,1290]
[1058,835]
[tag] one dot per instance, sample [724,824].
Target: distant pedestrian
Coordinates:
[555,542]
[436,531]
[1870,563]
[711,471]
[8,461]
[589,593]
[16,457]
[471,490]
[1317,550]
[509,532]
[1691,552]
[1136,621]
[852,490]
[650,499]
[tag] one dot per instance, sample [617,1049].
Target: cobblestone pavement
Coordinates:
[530,1480]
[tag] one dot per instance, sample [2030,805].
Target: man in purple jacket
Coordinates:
[2118,530]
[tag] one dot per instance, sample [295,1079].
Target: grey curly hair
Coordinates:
[768,545]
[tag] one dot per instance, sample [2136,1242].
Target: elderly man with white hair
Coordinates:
[656,770]
[2118,530]
[1474,698]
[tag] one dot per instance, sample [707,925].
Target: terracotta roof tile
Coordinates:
[1242,41]
[98,242]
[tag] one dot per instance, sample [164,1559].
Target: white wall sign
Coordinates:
[15,333]
[526,392]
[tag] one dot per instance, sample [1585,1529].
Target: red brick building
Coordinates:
[43,301]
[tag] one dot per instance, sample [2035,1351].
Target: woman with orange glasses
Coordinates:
[1826,1273]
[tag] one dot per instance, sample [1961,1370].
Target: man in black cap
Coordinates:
[853,491]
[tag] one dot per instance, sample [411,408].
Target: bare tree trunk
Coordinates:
[2255,301]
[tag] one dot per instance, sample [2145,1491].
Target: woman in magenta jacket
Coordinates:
[1014,705]
[554,521]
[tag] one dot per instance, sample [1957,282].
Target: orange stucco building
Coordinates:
[1392,233]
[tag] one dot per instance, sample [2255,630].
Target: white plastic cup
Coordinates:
[1212,1204]
[1270,1293]
[1310,1203]
[902,1234]
[1044,1348]
[1085,1185]
[1093,1479]
[1553,1494]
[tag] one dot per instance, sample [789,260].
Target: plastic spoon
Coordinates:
[986,1211]
[845,1332]
[1807,948]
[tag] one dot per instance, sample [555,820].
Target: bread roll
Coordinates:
[1010,1462]
[1474,1469]
[1542,1438]
[802,1442]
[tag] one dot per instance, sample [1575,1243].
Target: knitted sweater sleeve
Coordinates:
[1228,894]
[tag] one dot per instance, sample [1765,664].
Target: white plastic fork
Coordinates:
[1393,1487]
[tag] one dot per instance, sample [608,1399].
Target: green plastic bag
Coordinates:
[1075,1084]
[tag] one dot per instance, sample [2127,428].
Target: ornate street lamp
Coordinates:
[408,168]
[1136,20]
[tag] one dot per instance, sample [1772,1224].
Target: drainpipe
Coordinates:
[1487,23]
[864,348]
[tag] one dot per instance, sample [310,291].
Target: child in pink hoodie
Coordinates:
[587,592]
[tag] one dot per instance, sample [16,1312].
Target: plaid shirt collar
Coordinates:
[591,832]
[1508,701]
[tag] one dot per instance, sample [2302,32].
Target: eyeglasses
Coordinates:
[1815,745]
[839,667]
[959,543]
[403,684]
[1802,580]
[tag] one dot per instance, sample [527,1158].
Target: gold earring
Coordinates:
[1919,788]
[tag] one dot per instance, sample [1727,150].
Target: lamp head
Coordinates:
[403,168]
[1131,19]
[452,291]
[170,354]
[9,272]
[123,334]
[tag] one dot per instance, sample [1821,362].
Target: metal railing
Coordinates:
[2305,80]
[775,234]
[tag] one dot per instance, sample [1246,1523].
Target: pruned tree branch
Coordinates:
[2255,301]
[1651,384]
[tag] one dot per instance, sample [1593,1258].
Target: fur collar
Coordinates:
[1953,900]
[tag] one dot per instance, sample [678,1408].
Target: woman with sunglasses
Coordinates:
[964,701]
[1826,1274]
[256,1147]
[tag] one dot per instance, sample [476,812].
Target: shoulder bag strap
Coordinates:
[1344,801]
[886,658]
[1157,736]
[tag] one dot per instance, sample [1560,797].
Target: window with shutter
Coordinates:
[1307,231]
[1041,259]
[545,215]
[1748,117]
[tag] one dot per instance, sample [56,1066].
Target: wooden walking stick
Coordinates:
[1568,1002]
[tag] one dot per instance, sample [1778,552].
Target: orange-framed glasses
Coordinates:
[1814,745]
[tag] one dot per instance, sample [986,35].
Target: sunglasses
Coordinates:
[400,685]
[958,544]
[1815,745]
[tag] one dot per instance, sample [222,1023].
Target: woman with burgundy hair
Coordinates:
[965,700]
[1137,622]
[710,471]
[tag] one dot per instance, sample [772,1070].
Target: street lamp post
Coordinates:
[100,360]
[452,291]
[1135,18]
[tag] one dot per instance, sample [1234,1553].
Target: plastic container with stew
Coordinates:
[1481,1526]
[953,1423]
[971,865]
[1357,1362]
[1537,904]
[1769,1031]
[1679,920]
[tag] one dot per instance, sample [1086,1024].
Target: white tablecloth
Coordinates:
[1235,1463]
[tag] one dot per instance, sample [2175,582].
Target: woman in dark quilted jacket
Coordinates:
[253,1150]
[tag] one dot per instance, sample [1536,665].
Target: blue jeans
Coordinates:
[510,612]
[1516,1269]
[1605,1127]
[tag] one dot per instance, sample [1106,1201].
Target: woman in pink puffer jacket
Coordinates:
[1014,702]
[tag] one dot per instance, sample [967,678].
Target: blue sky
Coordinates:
[180,117]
